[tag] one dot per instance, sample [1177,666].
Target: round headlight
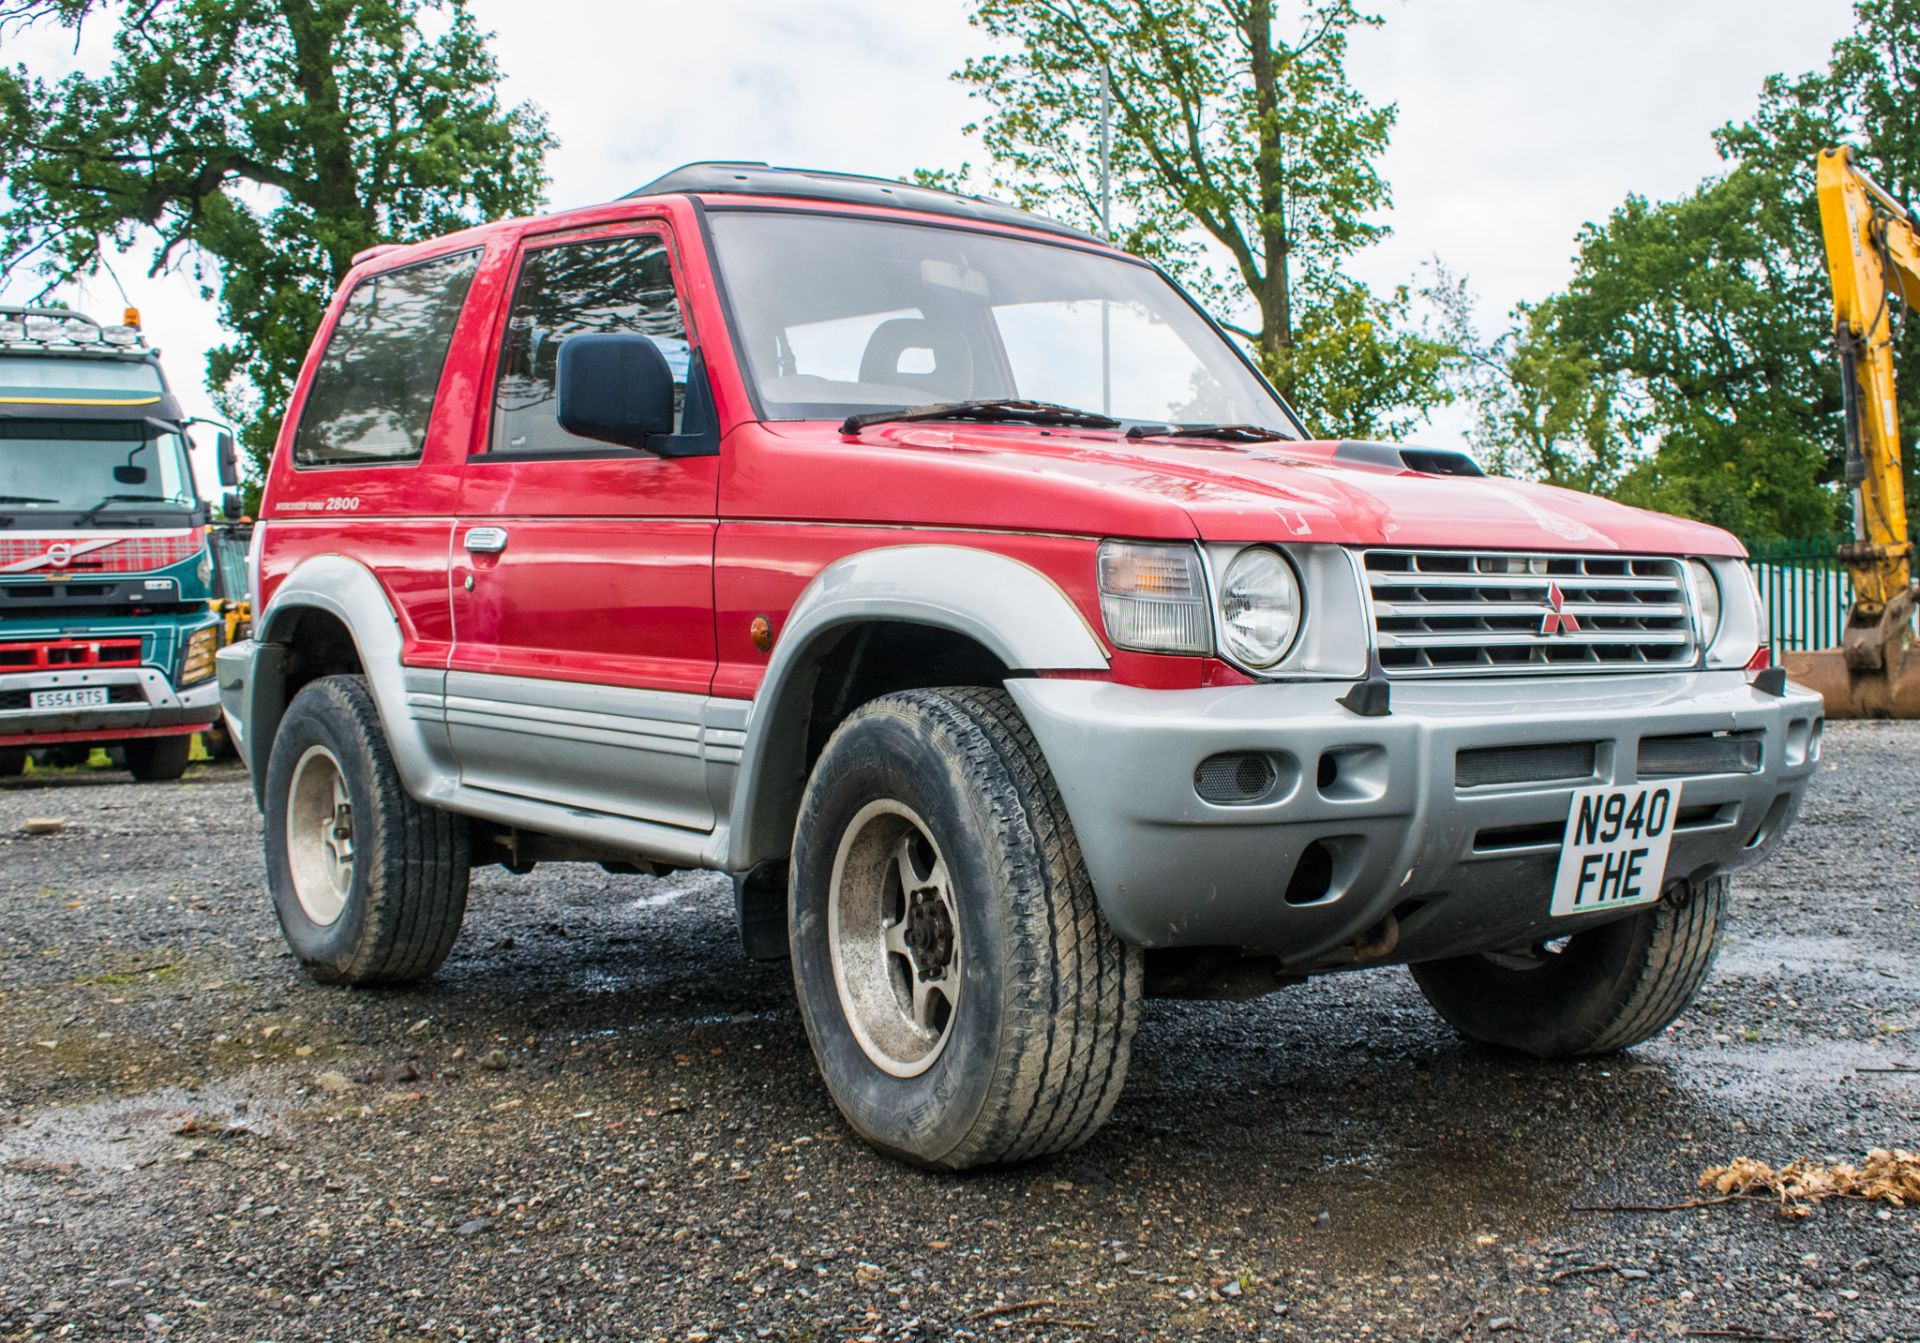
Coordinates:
[1259,607]
[1706,592]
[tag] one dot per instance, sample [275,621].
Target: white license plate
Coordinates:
[89,697]
[1615,852]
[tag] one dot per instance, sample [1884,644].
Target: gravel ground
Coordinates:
[600,1121]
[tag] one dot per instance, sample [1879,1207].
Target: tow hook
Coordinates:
[1678,893]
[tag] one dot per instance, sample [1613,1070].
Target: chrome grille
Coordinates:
[1449,612]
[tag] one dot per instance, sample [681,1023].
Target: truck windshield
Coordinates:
[840,315]
[71,466]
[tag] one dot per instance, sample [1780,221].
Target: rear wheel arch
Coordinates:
[331,616]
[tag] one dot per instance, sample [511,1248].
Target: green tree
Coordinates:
[1545,409]
[262,144]
[1703,324]
[1243,159]
[1711,312]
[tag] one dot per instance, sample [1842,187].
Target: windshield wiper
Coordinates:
[1226,433]
[89,515]
[1008,410]
[25,499]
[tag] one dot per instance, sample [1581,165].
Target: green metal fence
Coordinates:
[1806,590]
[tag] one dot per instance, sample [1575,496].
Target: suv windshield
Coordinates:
[71,466]
[842,315]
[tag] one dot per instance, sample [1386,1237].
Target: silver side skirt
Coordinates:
[644,771]
[667,844]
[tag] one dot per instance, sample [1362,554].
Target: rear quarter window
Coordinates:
[373,392]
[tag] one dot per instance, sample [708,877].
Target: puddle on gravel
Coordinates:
[133,1131]
[1766,956]
[1805,1075]
[656,899]
[671,890]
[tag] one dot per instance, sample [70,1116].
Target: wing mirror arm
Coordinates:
[226,460]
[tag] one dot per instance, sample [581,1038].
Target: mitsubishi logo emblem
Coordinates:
[1557,620]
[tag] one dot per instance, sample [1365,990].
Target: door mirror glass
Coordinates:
[230,506]
[615,387]
[229,465]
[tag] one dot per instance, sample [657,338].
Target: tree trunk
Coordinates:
[334,193]
[1276,315]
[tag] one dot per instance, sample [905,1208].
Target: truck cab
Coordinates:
[107,638]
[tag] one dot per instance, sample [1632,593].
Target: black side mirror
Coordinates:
[230,506]
[615,387]
[223,454]
[130,475]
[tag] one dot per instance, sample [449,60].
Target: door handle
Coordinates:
[485,540]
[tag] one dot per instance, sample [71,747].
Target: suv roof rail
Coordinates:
[724,178]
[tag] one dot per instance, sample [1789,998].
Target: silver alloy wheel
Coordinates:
[893,932]
[320,835]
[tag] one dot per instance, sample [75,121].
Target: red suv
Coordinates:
[949,578]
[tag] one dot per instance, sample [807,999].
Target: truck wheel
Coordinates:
[158,759]
[13,759]
[369,885]
[1599,991]
[965,1000]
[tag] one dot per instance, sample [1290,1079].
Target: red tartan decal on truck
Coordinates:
[95,553]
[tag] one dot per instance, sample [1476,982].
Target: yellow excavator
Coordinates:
[1873,260]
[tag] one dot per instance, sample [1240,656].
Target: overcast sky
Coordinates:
[1520,120]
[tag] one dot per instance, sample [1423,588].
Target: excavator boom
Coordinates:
[1873,262]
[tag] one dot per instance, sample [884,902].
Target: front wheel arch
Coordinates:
[1015,617]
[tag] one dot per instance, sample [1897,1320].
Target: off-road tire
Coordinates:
[158,759]
[1049,997]
[1608,989]
[411,863]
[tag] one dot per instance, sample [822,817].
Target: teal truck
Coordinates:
[107,635]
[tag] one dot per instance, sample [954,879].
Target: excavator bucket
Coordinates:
[1891,690]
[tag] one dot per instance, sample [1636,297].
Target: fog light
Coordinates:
[1235,778]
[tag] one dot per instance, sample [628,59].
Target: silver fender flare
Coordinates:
[1008,607]
[348,591]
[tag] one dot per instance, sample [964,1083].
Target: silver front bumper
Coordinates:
[1415,857]
[141,698]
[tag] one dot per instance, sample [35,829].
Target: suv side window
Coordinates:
[373,392]
[606,284]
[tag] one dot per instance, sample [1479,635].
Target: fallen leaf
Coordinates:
[1889,1175]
